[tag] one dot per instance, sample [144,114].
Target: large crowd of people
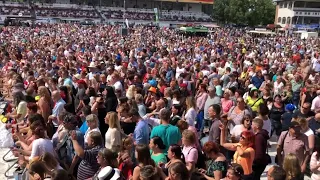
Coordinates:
[88,103]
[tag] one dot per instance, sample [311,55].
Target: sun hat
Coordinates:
[109,173]
[92,65]
[152,89]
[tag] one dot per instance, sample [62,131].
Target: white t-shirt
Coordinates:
[118,86]
[86,135]
[40,146]
[191,116]
[179,71]
[309,132]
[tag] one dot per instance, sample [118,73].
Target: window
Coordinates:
[283,20]
[290,5]
[281,4]
[279,19]
[285,5]
[288,20]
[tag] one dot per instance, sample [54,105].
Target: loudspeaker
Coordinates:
[124,31]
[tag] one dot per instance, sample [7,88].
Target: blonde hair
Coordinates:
[138,98]
[113,120]
[44,92]
[189,135]
[302,122]
[291,166]
[131,92]
[190,102]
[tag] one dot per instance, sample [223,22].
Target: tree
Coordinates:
[250,12]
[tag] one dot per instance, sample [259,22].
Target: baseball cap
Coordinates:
[290,107]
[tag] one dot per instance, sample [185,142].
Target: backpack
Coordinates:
[201,162]
[65,150]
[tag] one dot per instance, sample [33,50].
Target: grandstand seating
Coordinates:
[14,9]
[84,11]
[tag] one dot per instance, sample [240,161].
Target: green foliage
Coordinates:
[250,12]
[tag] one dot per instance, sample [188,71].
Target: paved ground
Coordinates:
[4,165]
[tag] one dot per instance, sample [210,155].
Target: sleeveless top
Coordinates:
[245,162]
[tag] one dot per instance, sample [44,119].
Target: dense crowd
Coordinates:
[88,103]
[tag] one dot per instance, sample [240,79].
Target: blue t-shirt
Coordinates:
[84,127]
[168,133]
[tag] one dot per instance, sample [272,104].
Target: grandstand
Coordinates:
[113,11]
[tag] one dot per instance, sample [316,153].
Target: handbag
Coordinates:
[282,143]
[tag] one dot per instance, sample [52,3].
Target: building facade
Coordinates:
[300,13]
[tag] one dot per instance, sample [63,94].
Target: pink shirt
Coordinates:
[201,100]
[226,105]
[190,154]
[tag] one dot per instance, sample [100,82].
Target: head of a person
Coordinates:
[156,143]
[175,152]
[160,104]
[246,121]
[138,98]
[276,173]
[247,138]
[38,129]
[240,102]
[257,124]
[165,115]
[51,162]
[178,171]
[303,123]
[17,98]
[188,138]
[211,149]
[127,143]
[134,114]
[294,129]
[305,108]
[263,109]
[292,166]
[32,108]
[214,111]
[37,168]
[182,125]
[107,157]
[92,121]
[95,139]
[176,109]
[227,94]
[277,99]
[190,102]
[69,121]
[254,93]
[112,120]
[148,172]
[61,174]
[36,117]
[234,172]
[56,96]
[43,92]
[142,154]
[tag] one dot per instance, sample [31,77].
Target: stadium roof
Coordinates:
[190,1]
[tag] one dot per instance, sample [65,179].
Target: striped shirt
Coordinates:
[89,165]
